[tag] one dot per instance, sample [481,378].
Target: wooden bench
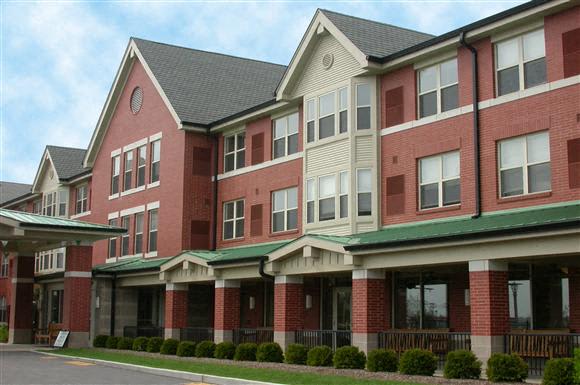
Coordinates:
[540,343]
[47,336]
[435,340]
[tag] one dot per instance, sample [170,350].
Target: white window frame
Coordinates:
[310,104]
[128,159]
[438,87]
[115,173]
[62,202]
[234,219]
[286,135]
[84,201]
[52,206]
[440,180]
[152,230]
[138,246]
[155,160]
[343,176]
[310,193]
[358,191]
[142,150]
[342,109]
[370,107]
[112,222]
[4,265]
[285,209]
[37,206]
[333,196]
[236,150]
[126,236]
[334,113]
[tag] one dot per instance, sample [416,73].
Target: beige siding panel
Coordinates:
[327,262]
[365,227]
[321,158]
[195,273]
[364,149]
[314,77]
[331,230]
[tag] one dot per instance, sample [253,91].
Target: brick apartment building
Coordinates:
[387,188]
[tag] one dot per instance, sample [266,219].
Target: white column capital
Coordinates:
[285,279]
[176,286]
[227,283]
[487,265]
[368,274]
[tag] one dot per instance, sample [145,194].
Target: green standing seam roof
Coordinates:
[243,253]
[131,265]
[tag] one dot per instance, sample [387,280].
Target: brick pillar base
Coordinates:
[574,295]
[369,308]
[20,322]
[226,309]
[77,295]
[488,282]
[288,309]
[175,309]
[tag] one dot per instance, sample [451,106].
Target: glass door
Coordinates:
[342,308]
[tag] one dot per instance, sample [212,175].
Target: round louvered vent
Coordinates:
[136,100]
[327,60]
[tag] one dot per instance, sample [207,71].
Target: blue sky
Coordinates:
[59,58]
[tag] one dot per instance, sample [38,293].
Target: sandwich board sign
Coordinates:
[61,339]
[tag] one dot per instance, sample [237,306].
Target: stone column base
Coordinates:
[484,346]
[172,333]
[19,336]
[223,336]
[365,341]
[78,340]
[284,339]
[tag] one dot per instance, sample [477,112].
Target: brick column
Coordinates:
[369,308]
[175,309]
[20,322]
[488,283]
[288,309]
[574,295]
[226,309]
[77,295]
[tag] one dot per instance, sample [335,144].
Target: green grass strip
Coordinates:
[257,374]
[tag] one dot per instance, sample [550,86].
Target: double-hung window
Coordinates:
[128,175]
[81,199]
[50,204]
[524,164]
[234,219]
[4,266]
[153,226]
[363,106]
[141,161]
[326,115]
[113,241]
[438,88]
[155,161]
[115,171]
[520,62]
[138,233]
[343,110]
[310,198]
[364,191]
[37,207]
[3,310]
[285,210]
[60,258]
[310,120]
[343,195]
[326,197]
[235,152]
[125,236]
[439,180]
[62,202]
[285,135]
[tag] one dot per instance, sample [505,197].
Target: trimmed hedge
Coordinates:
[112,342]
[169,347]
[349,357]
[382,360]
[225,350]
[296,354]
[205,349]
[559,371]
[269,352]
[140,344]
[506,367]
[319,356]
[246,352]
[462,364]
[100,341]
[577,365]
[154,344]
[3,333]
[186,349]
[418,362]
[125,343]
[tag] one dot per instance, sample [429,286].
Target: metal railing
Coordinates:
[437,342]
[537,348]
[331,338]
[257,336]
[142,331]
[196,334]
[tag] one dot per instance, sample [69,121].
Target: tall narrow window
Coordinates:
[326,115]
[235,152]
[343,196]
[326,197]
[125,237]
[155,161]
[310,197]
[310,120]
[115,171]
[128,175]
[364,191]
[234,219]
[138,233]
[81,199]
[62,202]
[60,258]
[439,180]
[524,165]
[37,206]
[3,310]
[343,110]
[285,135]
[285,210]
[363,106]
[49,208]
[113,241]
[141,161]
[438,88]
[4,266]
[153,225]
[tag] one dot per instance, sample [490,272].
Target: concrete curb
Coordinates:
[197,377]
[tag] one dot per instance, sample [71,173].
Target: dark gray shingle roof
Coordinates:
[205,87]
[68,162]
[10,191]
[374,38]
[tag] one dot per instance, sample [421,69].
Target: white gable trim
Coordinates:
[40,171]
[306,243]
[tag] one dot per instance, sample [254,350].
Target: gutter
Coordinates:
[113,303]
[237,260]
[267,277]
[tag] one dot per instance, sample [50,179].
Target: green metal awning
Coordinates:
[131,265]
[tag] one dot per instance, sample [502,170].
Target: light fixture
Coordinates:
[308,301]
[467,297]
[252,303]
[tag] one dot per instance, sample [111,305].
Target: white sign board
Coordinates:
[61,339]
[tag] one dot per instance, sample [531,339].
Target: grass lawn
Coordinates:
[268,375]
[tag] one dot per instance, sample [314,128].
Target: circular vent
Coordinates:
[327,60]
[136,100]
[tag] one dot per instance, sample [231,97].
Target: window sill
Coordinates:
[524,197]
[151,254]
[282,233]
[233,240]
[114,196]
[80,215]
[111,260]
[133,191]
[439,209]
[153,185]
[140,255]
[330,139]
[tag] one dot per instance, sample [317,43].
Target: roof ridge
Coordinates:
[66,147]
[7,181]
[208,52]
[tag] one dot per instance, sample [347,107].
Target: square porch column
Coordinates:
[288,308]
[370,308]
[175,309]
[226,309]
[77,295]
[489,298]
[20,322]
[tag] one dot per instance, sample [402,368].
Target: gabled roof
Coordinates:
[374,38]
[10,191]
[131,265]
[67,161]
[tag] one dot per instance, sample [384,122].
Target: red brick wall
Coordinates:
[574,294]
[227,308]
[289,307]
[369,313]
[21,294]
[312,315]
[554,27]
[252,318]
[77,290]
[489,303]
[175,309]
[459,313]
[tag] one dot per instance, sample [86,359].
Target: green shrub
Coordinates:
[140,344]
[462,364]
[125,343]
[154,344]
[349,357]
[577,365]
[205,349]
[186,349]
[225,350]
[296,354]
[169,347]
[506,367]
[3,333]
[559,371]
[418,362]
[112,342]
[246,352]
[269,352]
[319,356]
[100,341]
[382,360]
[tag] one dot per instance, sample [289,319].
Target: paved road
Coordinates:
[29,368]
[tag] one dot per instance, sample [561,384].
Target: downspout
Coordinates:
[215,192]
[113,303]
[476,150]
[267,277]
